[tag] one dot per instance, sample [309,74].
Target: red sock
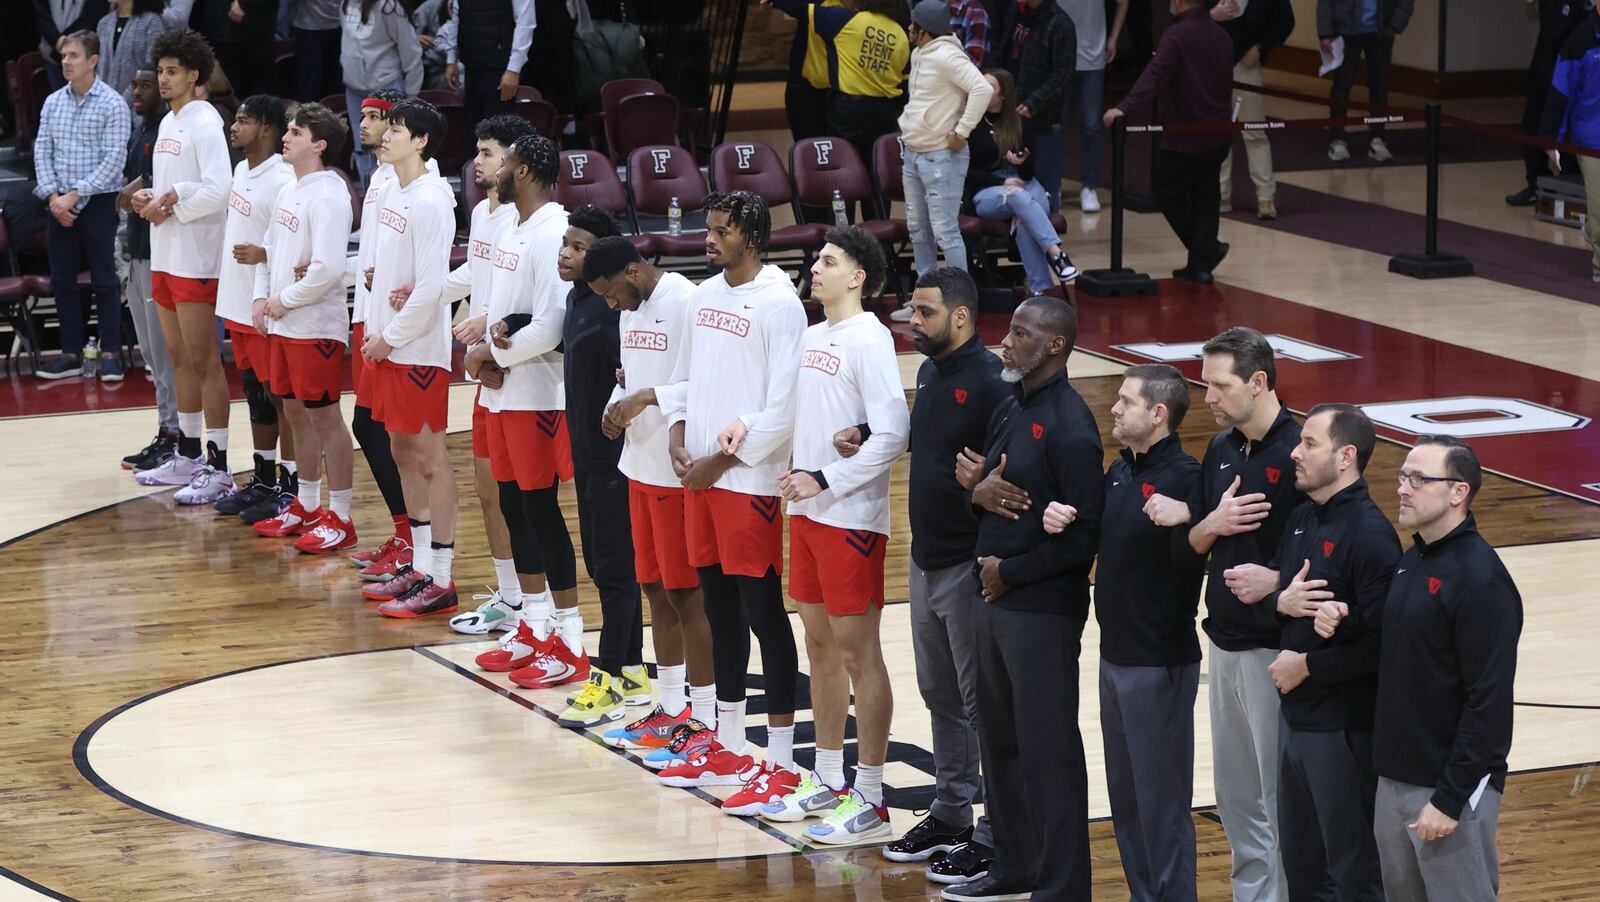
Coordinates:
[402,527]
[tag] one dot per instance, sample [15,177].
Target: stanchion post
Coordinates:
[1430,264]
[1116,281]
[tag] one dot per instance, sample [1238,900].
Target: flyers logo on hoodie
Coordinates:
[821,361]
[393,220]
[722,321]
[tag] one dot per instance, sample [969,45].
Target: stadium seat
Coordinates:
[757,168]
[587,177]
[656,175]
[643,120]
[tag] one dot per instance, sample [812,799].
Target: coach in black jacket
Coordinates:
[1038,43]
[1043,446]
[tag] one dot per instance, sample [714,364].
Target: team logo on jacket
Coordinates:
[961,396]
[505,260]
[1434,585]
[238,203]
[169,145]
[1327,548]
[287,219]
[481,250]
[1147,489]
[1038,431]
[820,360]
[393,220]
[1274,474]
[732,323]
[642,340]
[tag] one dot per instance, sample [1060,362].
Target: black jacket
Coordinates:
[1351,545]
[1041,50]
[483,35]
[1052,449]
[140,164]
[955,399]
[1264,23]
[1262,466]
[1445,673]
[260,23]
[591,353]
[87,19]
[1147,584]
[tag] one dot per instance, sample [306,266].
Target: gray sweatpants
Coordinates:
[152,343]
[1461,867]
[1244,763]
[943,603]
[1147,722]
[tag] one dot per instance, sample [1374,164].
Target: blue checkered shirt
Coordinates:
[82,143]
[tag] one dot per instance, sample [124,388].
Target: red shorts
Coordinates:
[406,398]
[480,428]
[360,367]
[251,350]
[529,447]
[660,554]
[307,369]
[743,533]
[840,569]
[169,291]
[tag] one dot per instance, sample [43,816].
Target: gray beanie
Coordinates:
[932,16]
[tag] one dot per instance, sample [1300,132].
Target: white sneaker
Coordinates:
[1338,151]
[812,798]
[1379,151]
[902,314]
[206,486]
[174,470]
[853,821]
[493,613]
[1089,200]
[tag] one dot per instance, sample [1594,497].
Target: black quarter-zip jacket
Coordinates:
[1446,671]
[1262,466]
[591,353]
[1147,584]
[1351,545]
[955,399]
[1052,449]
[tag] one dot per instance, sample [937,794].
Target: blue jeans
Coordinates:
[1027,209]
[365,160]
[89,243]
[1088,89]
[933,184]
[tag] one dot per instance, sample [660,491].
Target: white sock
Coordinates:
[671,681]
[310,494]
[218,437]
[830,767]
[191,424]
[536,611]
[780,746]
[569,626]
[440,561]
[505,577]
[270,455]
[339,500]
[703,704]
[869,782]
[290,467]
[730,726]
[422,547]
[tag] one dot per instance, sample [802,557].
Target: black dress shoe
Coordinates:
[1203,276]
[986,889]
[1186,274]
[1523,198]
[1222,252]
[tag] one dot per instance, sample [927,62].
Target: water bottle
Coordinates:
[91,358]
[840,218]
[674,218]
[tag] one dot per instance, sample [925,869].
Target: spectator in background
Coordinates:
[77,160]
[379,52]
[1191,77]
[946,96]
[317,45]
[430,19]
[1001,184]
[1369,28]
[806,94]
[1039,45]
[243,33]
[1557,19]
[867,55]
[126,35]
[57,18]
[1096,49]
[490,41]
[1256,26]
[1572,115]
[969,22]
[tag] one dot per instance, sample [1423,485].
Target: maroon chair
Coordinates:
[611,95]
[459,145]
[757,168]
[336,103]
[471,194]
[526,93]
[355,198]
[822,166]
[17,292]
[542,115]
[587,177]
[655,176]
[642,120]
[442,97]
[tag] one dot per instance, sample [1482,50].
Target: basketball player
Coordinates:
[186,206]
[1237,514]
[654,315]
[384,562]
[526,425]
[499,611]
[252,201]
[849,380]
[407,340]
[305,317]
[733,391]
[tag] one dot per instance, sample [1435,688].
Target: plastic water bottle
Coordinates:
[91,358]
[674,218]
[840,217]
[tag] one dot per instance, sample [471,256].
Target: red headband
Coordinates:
[377,103]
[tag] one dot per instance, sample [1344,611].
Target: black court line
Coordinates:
[1557,706]
[39,888]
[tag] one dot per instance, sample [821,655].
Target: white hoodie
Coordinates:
[191,157]
[312,226]
[945,93]
[472,277]
[252,201]
[652,342]
[739,361]
[526,281]
[411,240]
[358,262]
